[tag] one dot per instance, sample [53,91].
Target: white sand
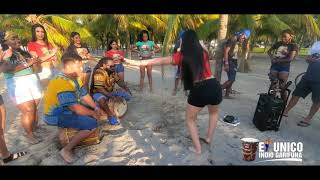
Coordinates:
[141,144]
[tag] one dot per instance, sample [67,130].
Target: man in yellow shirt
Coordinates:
[62,106]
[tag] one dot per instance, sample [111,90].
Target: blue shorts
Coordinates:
[70,119]
[279,68]
[119,68]
[98,96]
[232,73]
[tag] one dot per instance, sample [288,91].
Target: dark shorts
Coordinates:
[69,119]
[305,87]
[233,66]
[1,100]
[119,68]
[280,68]
[207,92]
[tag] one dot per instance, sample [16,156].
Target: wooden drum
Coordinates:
[66,134]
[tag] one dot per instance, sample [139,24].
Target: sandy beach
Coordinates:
[153,132]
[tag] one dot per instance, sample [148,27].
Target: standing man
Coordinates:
[309,83]
[230,58]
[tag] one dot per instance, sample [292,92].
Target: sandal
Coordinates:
[14,156]
[204,140]
[303,124]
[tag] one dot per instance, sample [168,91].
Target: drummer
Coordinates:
[102,87]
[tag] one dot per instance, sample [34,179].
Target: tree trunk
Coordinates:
[244,65]
[128,45]
[165,49]
[221,35]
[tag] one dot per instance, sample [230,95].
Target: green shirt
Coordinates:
[17,59]
[142,46]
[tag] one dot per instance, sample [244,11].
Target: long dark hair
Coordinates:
[109,45]
[72,48]
[193,58]
[141,35]
[99,65]
[33,31]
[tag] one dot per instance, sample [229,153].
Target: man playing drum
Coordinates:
[102,87]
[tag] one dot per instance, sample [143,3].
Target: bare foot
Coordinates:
[32,139]
[67,156]
[197,152]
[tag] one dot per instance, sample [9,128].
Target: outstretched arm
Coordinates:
[155,61]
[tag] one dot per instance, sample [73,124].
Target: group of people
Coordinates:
[71,101]
[35,74]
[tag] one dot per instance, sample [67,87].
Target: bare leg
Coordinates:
[283,76]
[313,110]
[142,74]
[66,152]
[121,76]
[28,110]
[103,103]
[293,101]
[3,117]
[176,83]
[3,148]
[191,117]
[36,121]
[149,73]
[213,119]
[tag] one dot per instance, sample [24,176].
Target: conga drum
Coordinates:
[119,107]
[66,134]
[249,148]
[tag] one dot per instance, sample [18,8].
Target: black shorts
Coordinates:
[305,87]
[1,100]
[207,92]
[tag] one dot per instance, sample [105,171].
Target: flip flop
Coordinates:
[204,140]
[285,115]
[303,124]
[14,156]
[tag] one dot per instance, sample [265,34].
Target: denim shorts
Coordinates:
[280,68]
[119,68]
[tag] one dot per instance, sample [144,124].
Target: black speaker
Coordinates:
[268,112]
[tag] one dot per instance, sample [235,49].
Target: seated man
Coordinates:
[104,78]
[62,106]
[309,83]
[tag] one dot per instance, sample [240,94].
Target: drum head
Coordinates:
[120,107]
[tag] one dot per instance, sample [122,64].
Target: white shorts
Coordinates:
[24,88]
[46,73]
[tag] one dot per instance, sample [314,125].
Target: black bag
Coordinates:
[269,111]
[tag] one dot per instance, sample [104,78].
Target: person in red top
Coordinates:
[39,47]
[197,77]
[117,57]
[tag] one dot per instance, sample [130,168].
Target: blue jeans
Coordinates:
[233,66]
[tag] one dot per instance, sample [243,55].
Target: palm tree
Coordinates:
[222,34]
